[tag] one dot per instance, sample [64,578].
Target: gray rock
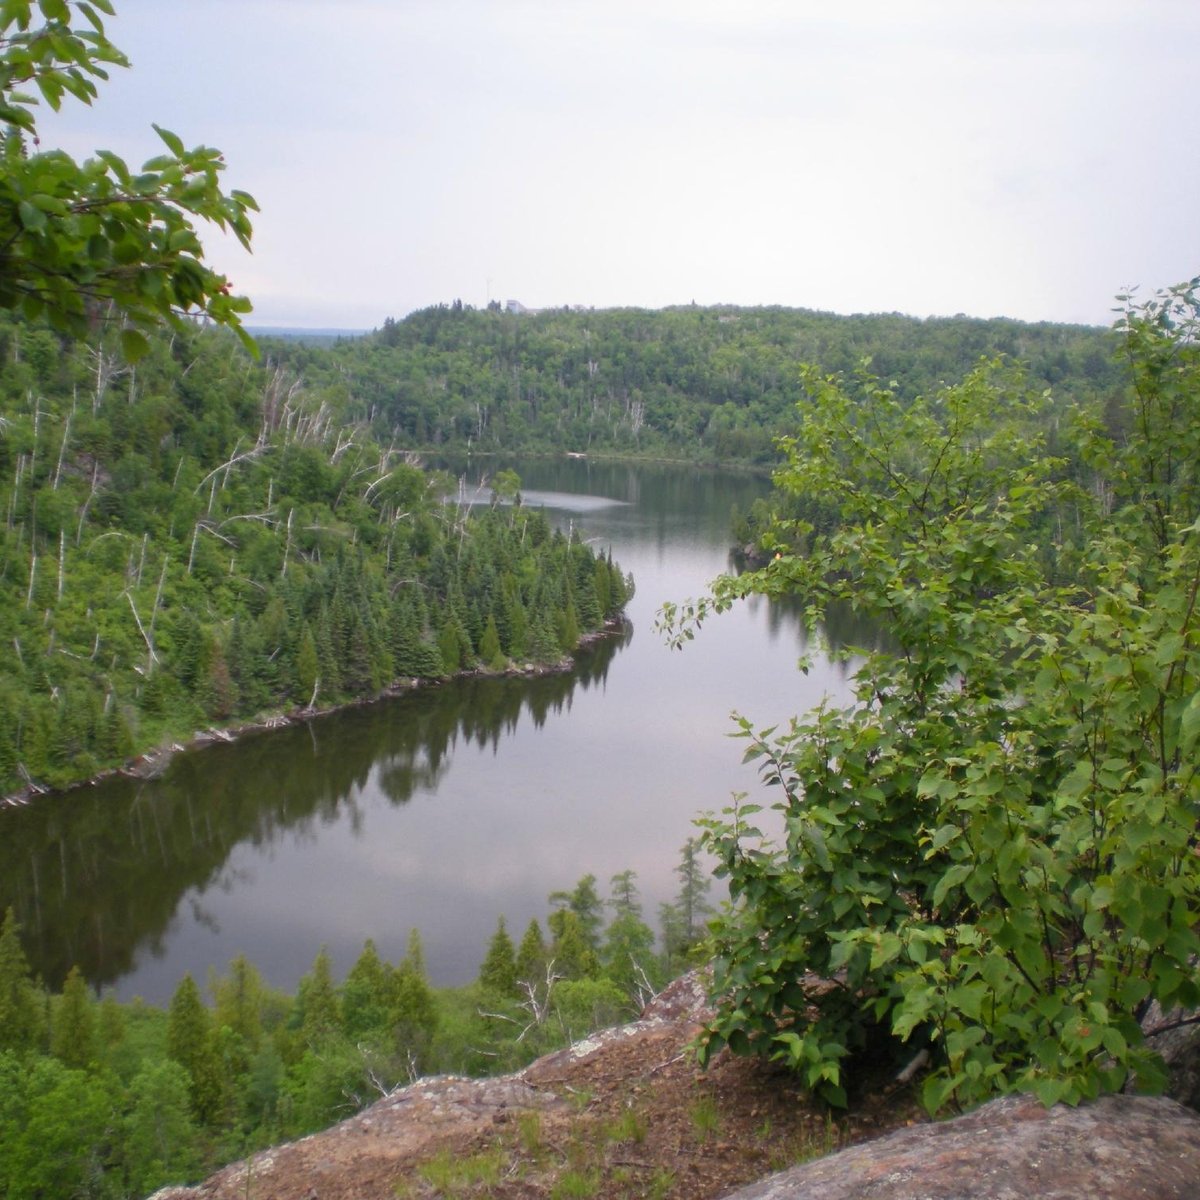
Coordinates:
[1118,1148]
[1179,1045]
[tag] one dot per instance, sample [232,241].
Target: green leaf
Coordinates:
[134,344]
[1189,725]
[173,142]
[32,217]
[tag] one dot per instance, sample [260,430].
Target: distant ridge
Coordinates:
[316,337]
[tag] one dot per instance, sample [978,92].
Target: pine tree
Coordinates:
[489,646]
[317,1001]
[73,1026]
[568,629]
[414,954]
[531,955]
[412,1013]
[160,1139]
[570,950]
[190,1043]
[239,998]
[624,897]
[308,667]
[628,955]
[21,1023]
[366,993]
[498,974]
[692,900]
[584,901]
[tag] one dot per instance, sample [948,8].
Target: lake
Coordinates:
[441,809]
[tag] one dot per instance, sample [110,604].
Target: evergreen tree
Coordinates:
[568,628]
[414,954]
[73,1027]
[191,1043]
[498,974]
[570,950]
[160,1139]
[530,966]
[623,898]
[239,998]
[110,1029]
[628,955]
[412,1014]
[584,901]
[489,646]
[692,900]
[21,1022]
[317,1009]
[366,993]
[308,667]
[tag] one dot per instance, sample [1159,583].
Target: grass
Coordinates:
[661,1183]
[705,1117]
[529,1133]
[807,1146]
[451,1176]
[576,1185]
[630,1126]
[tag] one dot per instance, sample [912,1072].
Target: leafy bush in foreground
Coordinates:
[993,850]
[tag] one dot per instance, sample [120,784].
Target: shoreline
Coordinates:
[152,763]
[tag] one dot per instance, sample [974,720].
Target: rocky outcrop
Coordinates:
[362,1156]
[1118,1148]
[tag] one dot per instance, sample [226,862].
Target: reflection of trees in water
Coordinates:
[481,710]
[842,629]
[96,875]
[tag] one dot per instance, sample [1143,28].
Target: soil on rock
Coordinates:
[626,1113]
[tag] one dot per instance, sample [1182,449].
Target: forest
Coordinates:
[197,540]
[111,1100]
[696,383]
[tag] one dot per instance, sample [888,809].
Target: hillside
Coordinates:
[200,539]
[708,384]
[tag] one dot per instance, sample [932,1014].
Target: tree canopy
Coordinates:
[98,241]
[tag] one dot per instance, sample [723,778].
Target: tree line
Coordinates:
[706,384]
[106,1100]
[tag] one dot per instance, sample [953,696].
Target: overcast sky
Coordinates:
[1025,158]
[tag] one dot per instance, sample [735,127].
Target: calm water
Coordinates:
[439,810]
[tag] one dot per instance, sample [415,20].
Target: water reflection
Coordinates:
[96,875]
[442,808]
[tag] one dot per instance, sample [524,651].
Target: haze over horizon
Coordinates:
[999,159]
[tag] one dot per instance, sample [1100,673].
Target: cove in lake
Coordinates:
[440,809]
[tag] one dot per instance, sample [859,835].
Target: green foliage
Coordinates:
[164,1097]
[992,851]
[707,384]
[192,1044]
[160,1137]
[21,1021]
[318,1008]
[498,973]
[194,543]
[584,902]
[55,1130]
[531,954]
[72,1027]
[77,238]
